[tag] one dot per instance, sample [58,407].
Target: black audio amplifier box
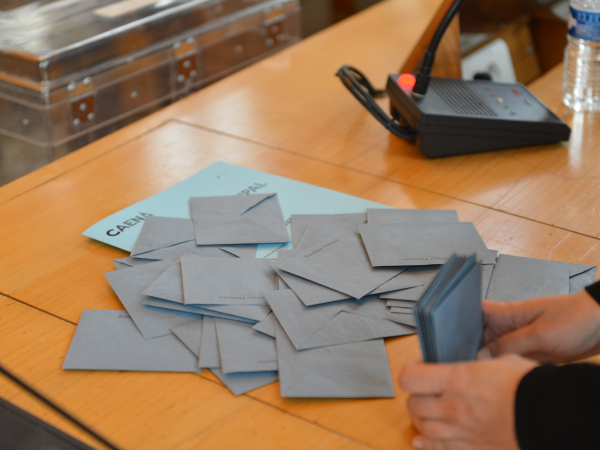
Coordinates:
[458,116]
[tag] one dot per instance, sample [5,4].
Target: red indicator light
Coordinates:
[516,93]
[407,81]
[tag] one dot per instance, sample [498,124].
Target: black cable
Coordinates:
[424,74]
[55,407]
[364,92]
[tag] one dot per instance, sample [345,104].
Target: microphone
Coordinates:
[424,75]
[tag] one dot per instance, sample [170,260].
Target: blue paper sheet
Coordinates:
[122,228]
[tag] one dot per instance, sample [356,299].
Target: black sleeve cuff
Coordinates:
[557,408]
[594,290]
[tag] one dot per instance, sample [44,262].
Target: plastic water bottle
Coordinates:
[581,82]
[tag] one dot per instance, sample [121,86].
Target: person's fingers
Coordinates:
[418,441]
[484,353]
[438,430]
[522,341]
[414,362]
[489,334]
[425,379]
[423,443]
[426,407]
[510,315]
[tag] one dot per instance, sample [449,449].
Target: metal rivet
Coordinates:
[239,48]
[134,94]
[193,73]
[190,40]
[25,122]
[72,87]
[280,37]
[177,45]
[187,64]
[90,116]
[181,78]
[269,42]
[76,122]
[82,107]
[87,81]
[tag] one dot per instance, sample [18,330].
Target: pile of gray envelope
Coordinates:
[314,318]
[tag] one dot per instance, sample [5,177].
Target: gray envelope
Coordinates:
[243,349]
[581,276]
[348,327]
[125,263]
[238,383]
[424,274]
[317,231]
[422,244]
[310,293]
[402,309]
[109,340]
[487,271]
[577,269]
[379,216]
[209,347]
[129,284]
[161,232]
[333,324]
[175,251]
[404,280]
[238,219]
[339,263]
[267,325]
[281,284]
[190,333]
[401,304]
[405,318]
[254,313]
[301,221]
[450,317]
[226,281]
[520,278]
[169,286]
[358,370]
[241,251]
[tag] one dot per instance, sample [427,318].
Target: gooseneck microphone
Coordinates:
[423,77]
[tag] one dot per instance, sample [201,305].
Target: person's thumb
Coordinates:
[522,341]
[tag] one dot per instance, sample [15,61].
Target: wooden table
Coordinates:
[290,116]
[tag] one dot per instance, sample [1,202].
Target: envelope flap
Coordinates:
[348,327]
[237,231]
[294,365]
[161,232]
[205,208]
[299,321]
[577,269]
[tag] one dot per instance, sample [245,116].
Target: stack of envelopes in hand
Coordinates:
[314,318]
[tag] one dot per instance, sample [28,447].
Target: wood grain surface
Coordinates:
[287,115]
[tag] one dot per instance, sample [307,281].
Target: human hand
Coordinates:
[554,329]
[465,406]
